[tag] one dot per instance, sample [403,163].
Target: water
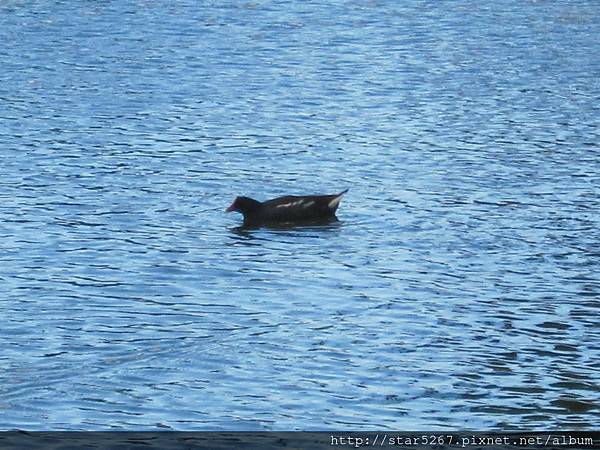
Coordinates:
[459,290]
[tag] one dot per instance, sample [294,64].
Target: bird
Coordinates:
[289,209]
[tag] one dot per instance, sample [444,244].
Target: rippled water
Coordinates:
[460,288]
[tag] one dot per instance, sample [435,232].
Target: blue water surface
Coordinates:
[460,288]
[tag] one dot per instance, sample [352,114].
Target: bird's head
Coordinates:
[244,205]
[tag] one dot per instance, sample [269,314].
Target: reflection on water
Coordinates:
[458,290]
[300,227]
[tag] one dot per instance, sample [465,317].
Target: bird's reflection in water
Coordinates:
[249,235]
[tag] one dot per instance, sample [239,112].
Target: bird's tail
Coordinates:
[335,201]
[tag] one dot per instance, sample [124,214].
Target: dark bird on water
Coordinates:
[290,209]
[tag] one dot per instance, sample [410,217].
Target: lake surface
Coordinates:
[460,289]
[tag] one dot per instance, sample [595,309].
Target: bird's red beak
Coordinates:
[231,207]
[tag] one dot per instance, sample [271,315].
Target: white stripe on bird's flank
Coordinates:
[290,204]
[309,204]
